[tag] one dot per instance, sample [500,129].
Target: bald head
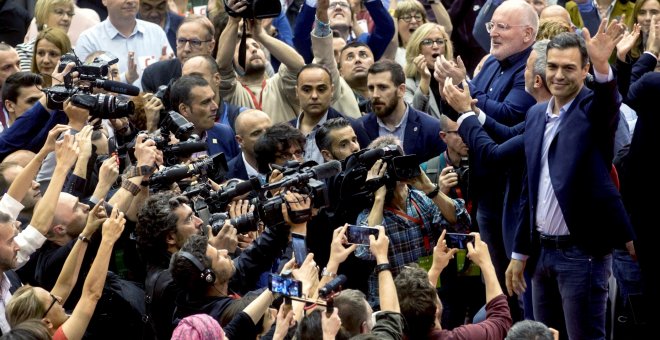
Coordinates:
[556,12]
[250,125]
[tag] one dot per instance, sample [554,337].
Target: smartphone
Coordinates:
[299,248]
[285,285]
[357,234]
[459,241]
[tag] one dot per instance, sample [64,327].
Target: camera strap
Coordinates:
[417,220]
[257,104]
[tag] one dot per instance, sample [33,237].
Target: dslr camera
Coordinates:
[92,75]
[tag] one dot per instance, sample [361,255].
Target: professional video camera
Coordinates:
[307,180]
[214,167]
[91,75]
[351,190]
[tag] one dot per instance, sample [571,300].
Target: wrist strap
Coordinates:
[130,187]
[140,171]
[381,267]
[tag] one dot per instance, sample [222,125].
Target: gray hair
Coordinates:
[541,47]
[529,330]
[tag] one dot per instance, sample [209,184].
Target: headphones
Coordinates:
[205,274]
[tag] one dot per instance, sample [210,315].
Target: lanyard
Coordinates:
[417,220]
[257,105]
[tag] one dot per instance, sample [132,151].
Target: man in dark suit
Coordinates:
[192,96]
[314,90]
[194,37]
[418,132]
[572,214]
[250,125]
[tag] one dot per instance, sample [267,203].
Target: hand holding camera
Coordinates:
[226,238]
[338,251]
[448,179]
[375,174]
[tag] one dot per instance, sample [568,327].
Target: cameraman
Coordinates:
[413,217]
[30,130]
[192,97]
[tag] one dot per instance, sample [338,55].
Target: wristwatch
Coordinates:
[326,272]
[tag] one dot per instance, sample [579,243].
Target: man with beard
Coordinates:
[418,132]
[194,37]
[276,95]
[156,11]
[133,41]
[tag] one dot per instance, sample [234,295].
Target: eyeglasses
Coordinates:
[408,18]
[290,156]
[500,26]
[62,12]
[55,299]
[430,42]
[340,4]
[196,43]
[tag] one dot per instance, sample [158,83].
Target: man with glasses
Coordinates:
[194,37]
[278,145]
[156,11]
[135,42]
[500,90]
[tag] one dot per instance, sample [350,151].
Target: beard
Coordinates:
[384,111]
[251,69]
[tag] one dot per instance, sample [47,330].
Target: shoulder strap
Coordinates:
[433,169]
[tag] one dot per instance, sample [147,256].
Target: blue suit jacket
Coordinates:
[358,128]
[29,131]
[220,138]
[422,135]
[500,88]
[580,159]
[237,168]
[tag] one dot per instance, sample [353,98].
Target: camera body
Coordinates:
[243,223]
[93,74]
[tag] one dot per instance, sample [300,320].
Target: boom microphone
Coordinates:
[117,87]
[321,171]
[185,148]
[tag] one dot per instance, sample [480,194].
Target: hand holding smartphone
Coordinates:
[285,285]
[299,248]
[356,234]
[460,241]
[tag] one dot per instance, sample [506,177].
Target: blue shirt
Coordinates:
[146,40]
[500,88]
[399,130]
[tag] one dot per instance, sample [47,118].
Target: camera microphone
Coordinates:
[117,87]
[326,170]
[319,172]
[186,148]
[332,286]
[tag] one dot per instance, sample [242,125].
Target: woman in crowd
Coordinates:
[409,15]
[427,43]
[642,13]
[47,14]
[50,45]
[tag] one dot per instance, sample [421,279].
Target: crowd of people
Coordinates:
[306,169]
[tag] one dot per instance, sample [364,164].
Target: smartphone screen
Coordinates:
[285,285]
[459,241]
[299,248]
[360,234]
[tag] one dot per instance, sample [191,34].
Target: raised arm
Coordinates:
[383,30]
[389,300]
[280,50]
[75,326]
[69,274]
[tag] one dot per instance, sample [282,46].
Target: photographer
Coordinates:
[413,217]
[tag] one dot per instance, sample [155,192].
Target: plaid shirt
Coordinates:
[407,237]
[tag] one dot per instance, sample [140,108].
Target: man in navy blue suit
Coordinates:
[572,214]
[192,96]
[250,125]
[418,132]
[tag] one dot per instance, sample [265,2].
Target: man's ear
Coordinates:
[183,109]
[327,156]
[59,229]
[529,34]
[10,106]
[401,90]
[239,140]
[538,82]
[170,239]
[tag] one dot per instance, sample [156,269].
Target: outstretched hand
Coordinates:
[601,45]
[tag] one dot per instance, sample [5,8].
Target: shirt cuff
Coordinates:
[10,206]
[603,78]
[321,29]
[28,241]
[519,257]
[462,117]
[651,54]
[311,3]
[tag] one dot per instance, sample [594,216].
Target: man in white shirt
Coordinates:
[135,42]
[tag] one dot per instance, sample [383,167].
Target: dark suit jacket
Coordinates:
[220,138]
[422,135]
[358,128]
[580,159]
[160,73]
[237,168]
[30,130]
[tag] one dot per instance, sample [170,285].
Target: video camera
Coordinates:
[91,75]
[214,167]
[350,188]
